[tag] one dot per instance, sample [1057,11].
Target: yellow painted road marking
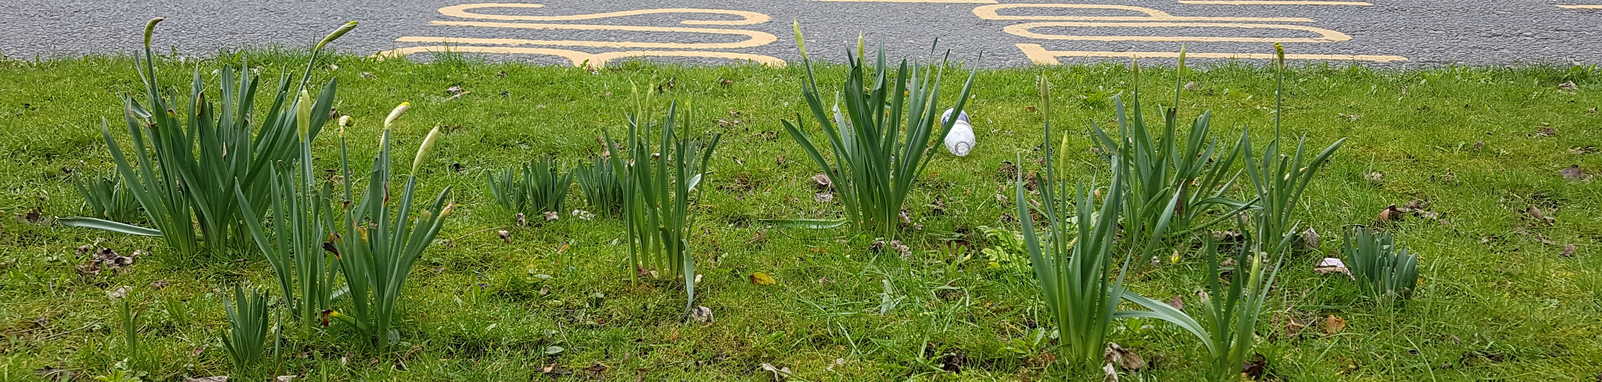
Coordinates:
[1041,56]
[990,12]
[754,38]
[1025,30]
[1581,6]
[577,58]
[464,11]
[913,1]
[1275,2]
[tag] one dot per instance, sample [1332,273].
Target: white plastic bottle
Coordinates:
[961,139]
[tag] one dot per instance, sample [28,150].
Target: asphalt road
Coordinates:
[567,32]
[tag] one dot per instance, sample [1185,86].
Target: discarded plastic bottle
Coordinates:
[960,140]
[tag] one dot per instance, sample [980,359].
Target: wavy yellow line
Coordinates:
[754,38]
[577,58]
[465,11]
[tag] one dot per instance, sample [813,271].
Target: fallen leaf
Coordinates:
[1568,250]
[1294,325]
[1112,373]
[1582,150]
[1539,216]
[34,215]
[822,182]
[521,219]
[725,82]
[837,362]
[1123,358]
[1389,214]
[583,215]
[1568,85]
[552,216]
[760,278]
[1310,239]
[1008,171]
[505,235]
[701,314]
[779,373]
[1177,303]
[1332,265]
[215,378]
[1575,173]
[823,197]
[1334,324]
[119,293]
[1255,367]
[1546,132]
[1374,176]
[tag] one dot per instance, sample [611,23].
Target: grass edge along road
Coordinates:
[1505,230]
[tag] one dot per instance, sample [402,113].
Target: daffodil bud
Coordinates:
[335,35]
[344,122]
[800,43]
[861,48]
[396,113]
[424,149]
[150,29]
[1279,54]
[1181,59]
[303,111]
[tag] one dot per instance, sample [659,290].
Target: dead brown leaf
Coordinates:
[1310,239]
[505,235]
[1539,216]
[1547,131]
[701,314]
[1568,250]
[822,182]
[1389,214]
[33,216]
[1334,324]
[1255,368]
[1294,325]
[1575,173]
[823,197]
[1568,86]
[1007,171]
[1123,358]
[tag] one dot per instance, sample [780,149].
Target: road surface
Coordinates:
[1405,33]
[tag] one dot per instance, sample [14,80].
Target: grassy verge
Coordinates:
[1499,298]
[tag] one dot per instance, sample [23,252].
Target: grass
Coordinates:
[1496,300]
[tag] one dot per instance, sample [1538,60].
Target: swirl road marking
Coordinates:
[754,38]
[464,11]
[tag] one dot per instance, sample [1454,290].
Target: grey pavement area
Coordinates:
[1406,33]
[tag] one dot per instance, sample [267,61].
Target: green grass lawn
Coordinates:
[1499,299]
